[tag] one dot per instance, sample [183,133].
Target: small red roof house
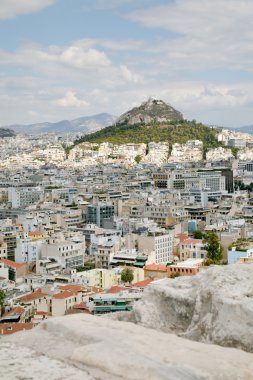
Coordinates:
[181,237]
[15,311]
[93,289]
[12,264]
[29,298]
[64,301]
[11,328]
[116,289]
[72,288]
[64,294]
[17,270]
[155,271]
[142,284]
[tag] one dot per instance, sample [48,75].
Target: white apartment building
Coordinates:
[103,248]
[161,244]
[185,181]
[55,153]
[66,252]
[24,196]
[28,250]
[4,270]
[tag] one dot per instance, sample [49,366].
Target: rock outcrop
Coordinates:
[152,110]
[216,306]
[88,348]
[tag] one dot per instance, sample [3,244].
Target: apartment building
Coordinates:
[66,252]
[97,213]
[160,243]
[192,248]
[24,196]
[28,250]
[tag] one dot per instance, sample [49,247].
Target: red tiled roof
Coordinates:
[96,290]
[156,267]
[65,294]
[191,241]
[17,310]
[32,296]
[11,328]
[142,284]
[73,288]
[181,237]
[12,264]
[40,313]
[116,289]
[81,306]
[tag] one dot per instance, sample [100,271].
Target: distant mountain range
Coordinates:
[245,129]
[86,124]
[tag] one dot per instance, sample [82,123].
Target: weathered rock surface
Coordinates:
[152,110]
[87,347]
[215,306]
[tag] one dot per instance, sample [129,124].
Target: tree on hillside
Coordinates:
[127,275]
[138,158]
[2,301]
[213,247]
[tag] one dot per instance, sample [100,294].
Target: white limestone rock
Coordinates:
[89,348]
[216,306]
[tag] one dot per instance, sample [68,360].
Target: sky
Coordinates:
[63,59]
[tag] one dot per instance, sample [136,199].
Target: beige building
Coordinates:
[64,301]
[3,250]
[98,278]
[192,249]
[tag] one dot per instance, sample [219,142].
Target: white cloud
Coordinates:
[71,100]
[214,34]
[128,75]
[12,8]
[76,56]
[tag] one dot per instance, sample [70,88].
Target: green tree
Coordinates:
[174,275]
[127,275]
[198,234]
[2,301]
[138,158]
[213,247]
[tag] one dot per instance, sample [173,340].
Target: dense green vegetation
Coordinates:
[2,301]
[174,132]
[198,234]
[212,247]
[239,185]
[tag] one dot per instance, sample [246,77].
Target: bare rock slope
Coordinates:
[215,306]
[87,347]
[151,110]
